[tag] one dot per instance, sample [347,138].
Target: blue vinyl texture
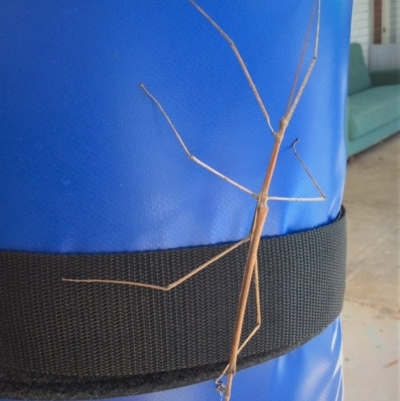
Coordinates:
[89,164]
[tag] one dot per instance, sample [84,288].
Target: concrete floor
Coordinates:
[371,314]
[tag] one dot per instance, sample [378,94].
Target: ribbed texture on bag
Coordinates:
[73,340]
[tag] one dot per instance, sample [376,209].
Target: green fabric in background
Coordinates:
[372,109]
[359,78]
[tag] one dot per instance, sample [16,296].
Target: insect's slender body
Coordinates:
[263,197]
[260,217]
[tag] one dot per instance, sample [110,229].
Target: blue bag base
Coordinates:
[311,372]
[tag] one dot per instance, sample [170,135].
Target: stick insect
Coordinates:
[263,197]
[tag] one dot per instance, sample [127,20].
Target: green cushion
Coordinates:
[359,78]
[373,108]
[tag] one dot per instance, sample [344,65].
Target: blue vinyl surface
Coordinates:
[89,164]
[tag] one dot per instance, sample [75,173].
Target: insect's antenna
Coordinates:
[291,106]
[240,60]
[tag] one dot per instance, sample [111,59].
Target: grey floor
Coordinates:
[371,314]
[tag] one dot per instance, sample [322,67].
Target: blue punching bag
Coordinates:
[97,191]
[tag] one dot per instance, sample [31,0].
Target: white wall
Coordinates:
[384,57]
[394,21]
[360,24]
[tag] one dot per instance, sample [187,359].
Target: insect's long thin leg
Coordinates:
[158,287]
[314,181]
[258,321]
[241,62]
[258,309]
[301,59]
[192,157]
[260,221]
[291,107]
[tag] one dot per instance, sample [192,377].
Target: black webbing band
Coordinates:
[63,340]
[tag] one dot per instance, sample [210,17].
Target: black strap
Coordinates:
[67,340]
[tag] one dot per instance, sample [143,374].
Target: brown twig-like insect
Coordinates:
[261,212]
